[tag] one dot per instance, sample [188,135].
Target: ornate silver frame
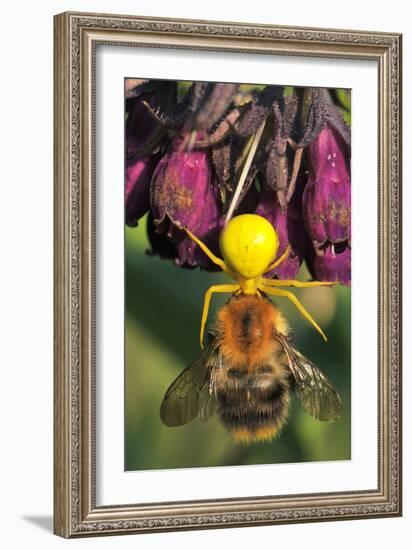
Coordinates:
[76,36]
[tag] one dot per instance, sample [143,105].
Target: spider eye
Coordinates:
[249,244]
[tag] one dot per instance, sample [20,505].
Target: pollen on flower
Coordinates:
[174,196]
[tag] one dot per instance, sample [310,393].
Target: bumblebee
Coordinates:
[247,373]
[250,365]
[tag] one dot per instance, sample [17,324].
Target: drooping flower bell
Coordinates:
[182,196]
[327,207]
[289,227]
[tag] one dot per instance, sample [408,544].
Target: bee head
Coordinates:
[249,244]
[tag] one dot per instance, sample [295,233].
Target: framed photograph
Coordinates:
[227,274]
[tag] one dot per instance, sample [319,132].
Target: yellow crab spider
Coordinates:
[249,245]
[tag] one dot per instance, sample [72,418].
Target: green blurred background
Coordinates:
[163,310]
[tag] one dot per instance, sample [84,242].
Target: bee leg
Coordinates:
[286,294]
[298,284]
[279,260]
[210,255]
[208,295]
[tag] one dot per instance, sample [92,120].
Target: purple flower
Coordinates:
[143,136]
[182,196]
[327,207]
[289,228]
[137,192]
[184,155]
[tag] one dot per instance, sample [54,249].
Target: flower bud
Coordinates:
[208,102]
[327,206]
[143,130]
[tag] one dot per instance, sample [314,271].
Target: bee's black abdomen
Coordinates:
[253,416]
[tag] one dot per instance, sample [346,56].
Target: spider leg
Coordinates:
[287,294]
[215,288]
[210,255]
[298,284]
[279,260]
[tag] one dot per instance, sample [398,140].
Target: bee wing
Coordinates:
[189,393]
[317,394]
[207,404]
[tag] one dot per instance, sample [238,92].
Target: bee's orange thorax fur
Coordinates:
[246,325]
